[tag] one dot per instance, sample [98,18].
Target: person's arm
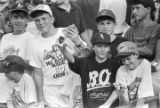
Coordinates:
[157,55]
[38,78]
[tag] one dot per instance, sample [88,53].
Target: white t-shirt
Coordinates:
[45,54]
[24,90]
[126,77]
[13,45]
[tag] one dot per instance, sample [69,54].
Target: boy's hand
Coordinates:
[120,88]
[72,34]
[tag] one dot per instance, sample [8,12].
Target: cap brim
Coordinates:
[99,18]
[125,54]
[19,10]
[34,13]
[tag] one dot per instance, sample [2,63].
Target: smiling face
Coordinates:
[106,26]
[44,22]
[130,61]
[19,21]
[140,12]
[101,50]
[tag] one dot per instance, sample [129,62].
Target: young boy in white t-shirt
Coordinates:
[133,79]
[21,86]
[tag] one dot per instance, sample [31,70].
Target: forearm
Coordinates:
[111,99]
[38,78]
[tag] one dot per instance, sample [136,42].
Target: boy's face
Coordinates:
[101,50]
[106,26]
[140,12]
[44,22]
[19,22]
[11,75]
[130,61]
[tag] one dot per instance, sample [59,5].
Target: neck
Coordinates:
[18,78]
[112,37]
[146,21]
[99,60]
[18,32]
[51,32]
[66,5]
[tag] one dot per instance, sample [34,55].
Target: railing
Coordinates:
[140,102]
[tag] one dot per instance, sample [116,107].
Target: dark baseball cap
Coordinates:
[100,38]
[105,13]
[146,3]
[16,9]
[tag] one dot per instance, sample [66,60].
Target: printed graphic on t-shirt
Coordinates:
[11,50]
[99,88]
[54,59]
[132,91]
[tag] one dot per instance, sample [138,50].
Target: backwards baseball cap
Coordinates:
[14,63]
[105,13]
[41,8]
[126,49]
[16,9]
[146,3]
[100,38]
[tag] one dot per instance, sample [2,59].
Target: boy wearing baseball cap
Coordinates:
[45,55]
[22,90]
[97,71]
[14,43]
[134,77]
[106,22]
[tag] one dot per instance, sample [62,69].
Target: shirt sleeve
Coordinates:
[30,90]
[146,87]
[33,55]
[120,77]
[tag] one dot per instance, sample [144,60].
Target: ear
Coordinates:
[52,19]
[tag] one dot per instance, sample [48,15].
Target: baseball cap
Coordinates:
[127,48]
[22,8]
[100,38]
[41,8]
[105,13]
[147,3]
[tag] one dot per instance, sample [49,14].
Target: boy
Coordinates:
[14,43]
[51,71]
[21,86]
[96,70]
[145,31]
[106,23]
[134,75]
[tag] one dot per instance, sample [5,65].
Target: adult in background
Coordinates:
[67,13]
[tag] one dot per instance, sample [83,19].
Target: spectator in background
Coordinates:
[3,5]
[146,31]
[67,13]
[119,9]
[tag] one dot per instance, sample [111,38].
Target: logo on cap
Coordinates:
[104,12]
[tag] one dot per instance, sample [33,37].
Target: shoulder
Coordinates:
[7,35]
[145,62]
[27,78]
